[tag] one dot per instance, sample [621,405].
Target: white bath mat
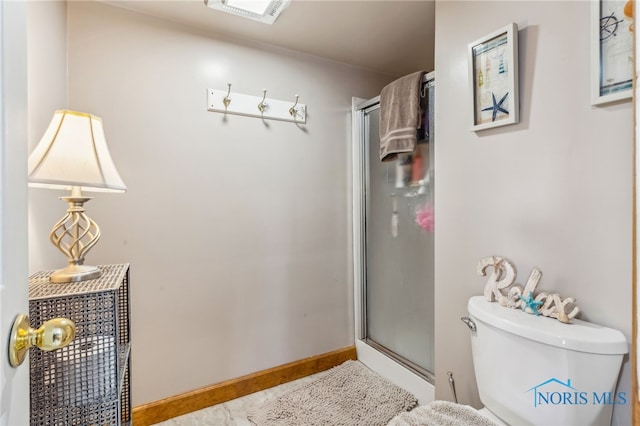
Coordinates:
[347,395]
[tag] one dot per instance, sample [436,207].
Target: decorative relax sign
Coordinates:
[500,288]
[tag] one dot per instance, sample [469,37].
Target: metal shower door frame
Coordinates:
[376,357]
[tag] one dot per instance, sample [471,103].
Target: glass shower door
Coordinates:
[398,250]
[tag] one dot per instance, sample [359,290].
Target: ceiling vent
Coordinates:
[266,11]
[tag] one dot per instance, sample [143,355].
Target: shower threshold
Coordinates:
[409,365]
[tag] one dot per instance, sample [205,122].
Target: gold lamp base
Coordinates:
[74,235]
[75,273]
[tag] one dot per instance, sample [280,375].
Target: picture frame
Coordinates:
[493,78]
[611,51]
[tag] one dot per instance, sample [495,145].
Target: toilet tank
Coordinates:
[536,370]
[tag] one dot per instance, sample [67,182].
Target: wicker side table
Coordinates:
[89,381]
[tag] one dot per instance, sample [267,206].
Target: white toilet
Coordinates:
[534,370]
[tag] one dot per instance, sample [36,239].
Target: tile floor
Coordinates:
[234,412]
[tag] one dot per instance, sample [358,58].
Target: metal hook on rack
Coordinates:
[263,105]
[293,111]
[227,100]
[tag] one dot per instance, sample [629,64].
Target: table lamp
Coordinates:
[73,155]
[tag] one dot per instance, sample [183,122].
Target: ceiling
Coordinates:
[393,37]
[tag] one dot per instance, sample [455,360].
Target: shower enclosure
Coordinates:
[394,256]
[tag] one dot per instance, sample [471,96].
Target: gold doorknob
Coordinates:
[53,334]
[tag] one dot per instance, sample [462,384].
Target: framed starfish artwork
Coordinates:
[611,50]
[493,68]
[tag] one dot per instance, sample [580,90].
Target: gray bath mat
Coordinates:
[441,413]
[347,395]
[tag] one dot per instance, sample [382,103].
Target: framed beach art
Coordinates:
[493,71]
[611,50]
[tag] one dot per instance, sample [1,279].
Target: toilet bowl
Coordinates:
[489,415]
[534,370]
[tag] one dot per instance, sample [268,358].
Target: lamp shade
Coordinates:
[73,152]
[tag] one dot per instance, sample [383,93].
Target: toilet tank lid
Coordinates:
[579,336]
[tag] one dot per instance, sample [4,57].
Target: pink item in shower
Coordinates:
[425,218]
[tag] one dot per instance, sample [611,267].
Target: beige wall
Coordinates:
[553,192]
[237,230]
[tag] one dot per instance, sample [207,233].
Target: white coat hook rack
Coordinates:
[274,109]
